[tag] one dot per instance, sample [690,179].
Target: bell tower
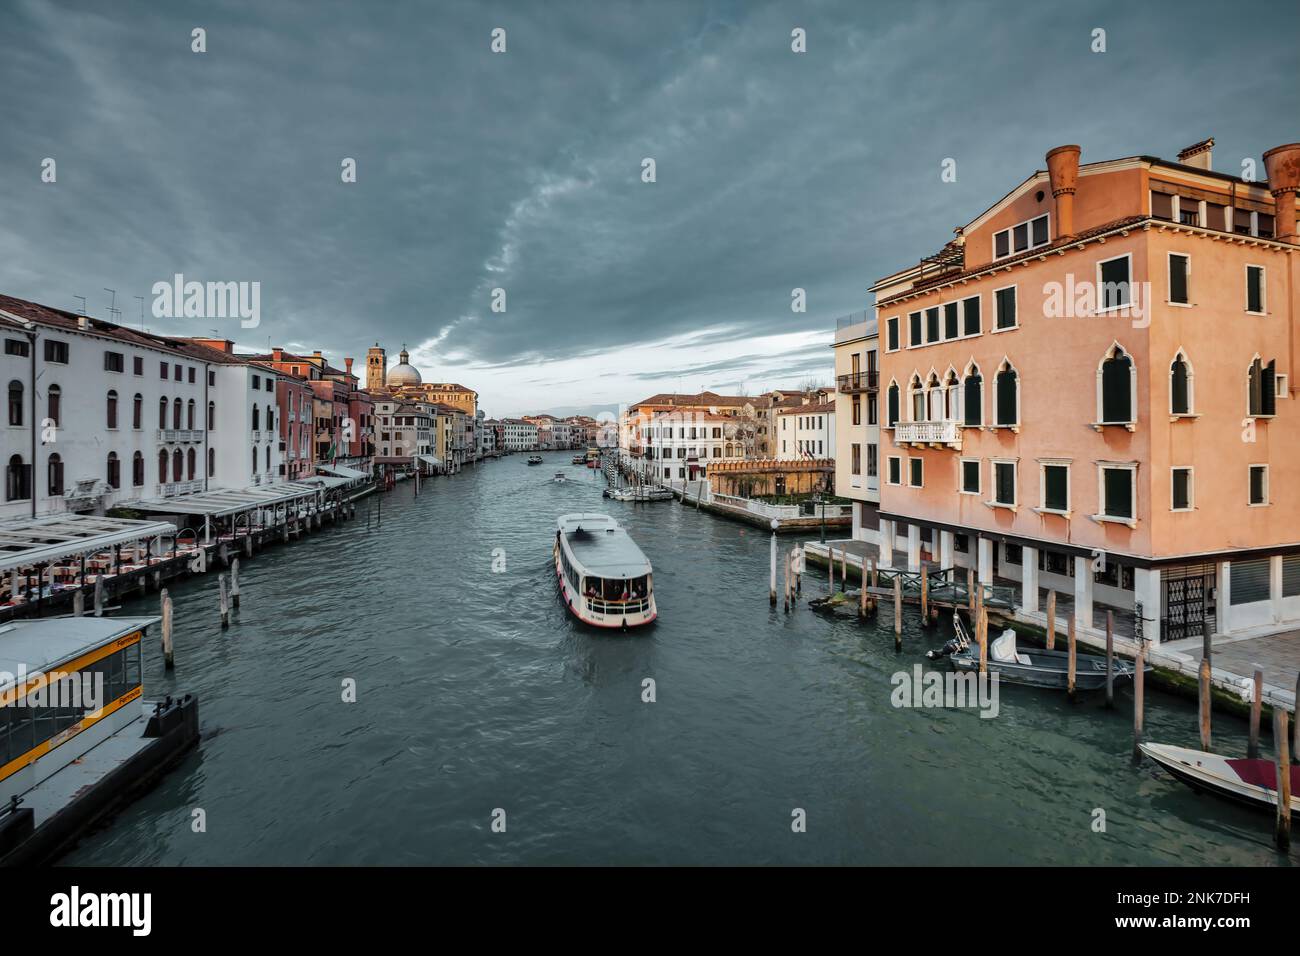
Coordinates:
[376,367]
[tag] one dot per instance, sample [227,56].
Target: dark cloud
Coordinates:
[522,170]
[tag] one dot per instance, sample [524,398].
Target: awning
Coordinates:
[342,471]
[230,501]
[34,541]
[329,481]
[430,460]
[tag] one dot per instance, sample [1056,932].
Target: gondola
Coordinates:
[1036,667]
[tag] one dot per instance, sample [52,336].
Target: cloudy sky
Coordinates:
[522,170]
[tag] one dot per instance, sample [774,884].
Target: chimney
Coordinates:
[1198,154]
[347,365]
[1063,171]
[83,322]
[1283,166]
[317,354]
[277,354]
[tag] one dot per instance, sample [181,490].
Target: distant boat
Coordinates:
[534,459]
[1249,780]
[579,460]
[604,578]
[560,476]
[644,493]
[1035,667]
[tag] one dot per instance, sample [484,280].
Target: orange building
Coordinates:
[1092,389]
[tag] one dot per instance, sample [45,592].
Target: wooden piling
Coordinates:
[862,591]
[844,569]
[1110,659]
[1051,620]
[970,588]
[830,568]
[898,613]
[1074,657]
[772,582]
[99,595]
[1283,833]
[1139,672]
[79,603]
[1203,702]
[224,601]
[1256,704]
[925,598]
[982,635]
[169,657]
[875,581]
[787,583]
[234,583]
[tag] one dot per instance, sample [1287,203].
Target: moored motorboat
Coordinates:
[1036,667]
[643,493]
[604,578]
[1249,780]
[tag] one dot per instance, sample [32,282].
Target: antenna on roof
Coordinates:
[141,298]
[83,303]
[112,303]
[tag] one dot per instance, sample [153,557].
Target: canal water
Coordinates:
[475,691]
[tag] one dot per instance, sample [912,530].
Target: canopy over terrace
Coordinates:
[232,502]
[342,471]
[38,541]
[433,460]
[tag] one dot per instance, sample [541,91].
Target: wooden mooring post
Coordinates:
[99,595]
[1110,659]
[1256,705]
[169,658]
[224,601]
[830,569]
[898,612]
[925,598]
[1139,666]
[1073,667]
[1283,833]
[862,591]
[234,583]
[772,582]
[788,559]
[1051,620]
[844,569]
[970,588]
[982,635]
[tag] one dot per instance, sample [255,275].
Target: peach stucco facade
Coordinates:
[1113,459]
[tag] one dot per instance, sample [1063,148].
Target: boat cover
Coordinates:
[1004,649]
[1262,773]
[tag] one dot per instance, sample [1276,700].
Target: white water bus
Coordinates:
[605,579]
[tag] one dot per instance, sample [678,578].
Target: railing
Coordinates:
[946,585]
[928,433]
[868,381]
[180,434]
[601,606]
[171,488]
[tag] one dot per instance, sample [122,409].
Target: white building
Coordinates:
[805,431]
[857,421]
[98,415]
[520,435]
[678,444]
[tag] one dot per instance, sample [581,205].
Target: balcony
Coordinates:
[945,434]
[856,382]
[168,489]
[173,435]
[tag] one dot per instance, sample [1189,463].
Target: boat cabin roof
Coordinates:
[602,547]
[44,645]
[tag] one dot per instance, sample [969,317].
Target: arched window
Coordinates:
[15,402]
[1007,387]
[137,412]
[189,415]
[1261,389]
[178,465]
[137,469]
[268,459]
[917,395]
[951,396]
[934,399]
[1116,387]
[162,413]
[190,464]
[212,462]
[891,405]
[162,466]
[114,471]
[55,475]
[973,397]
[257,418]
[18,483]
[54,405]
[176,413]
[254,459]
[212,415]
[1180,385]
[112,409]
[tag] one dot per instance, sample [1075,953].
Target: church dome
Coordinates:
[404,373]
